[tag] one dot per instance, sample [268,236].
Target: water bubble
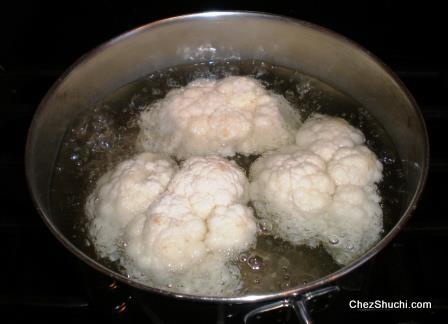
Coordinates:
[172,83]
[259,72]
[243,258]
[265,226]
[131,123]
[289,95]
[388,159]
[255,263]
[350,247]
[284,285]
[156,91]
[74,157]
[303,89]
[76,204]
[333,240]
[105,145]
[283,263]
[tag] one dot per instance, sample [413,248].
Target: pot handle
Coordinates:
[300,304]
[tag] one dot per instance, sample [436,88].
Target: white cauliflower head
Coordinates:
[324,135]
[321,189]
[224,117]
[201,215]
[291,187]
[123,193]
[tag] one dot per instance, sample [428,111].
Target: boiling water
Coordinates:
[105,135]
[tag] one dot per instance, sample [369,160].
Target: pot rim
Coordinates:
[293,291]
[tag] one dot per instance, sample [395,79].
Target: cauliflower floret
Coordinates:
[123,193]
[168,238]
[322,190]
[301,172]
[201,215]
[324,135]
[224,117]
[355,165]
[208,182]
[231,229]
[359,208]
[175,227]
[291,187]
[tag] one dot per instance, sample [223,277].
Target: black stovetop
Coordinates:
[42,282]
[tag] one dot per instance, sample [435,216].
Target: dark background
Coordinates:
[39,40]
[41,33]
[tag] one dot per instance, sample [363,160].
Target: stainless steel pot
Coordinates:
[229,35]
